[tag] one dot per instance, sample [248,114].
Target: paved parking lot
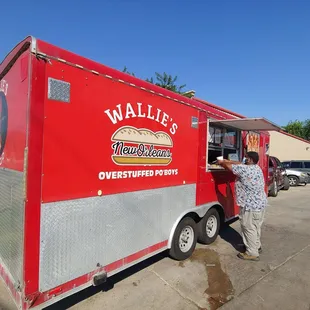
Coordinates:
[214,275]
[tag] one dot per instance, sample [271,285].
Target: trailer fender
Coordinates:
[200,211]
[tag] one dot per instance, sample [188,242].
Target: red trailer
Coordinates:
[100,170]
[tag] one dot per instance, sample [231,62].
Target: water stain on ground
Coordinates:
[220,289]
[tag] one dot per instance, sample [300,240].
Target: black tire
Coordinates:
[294,181]
[286,185]
[274,189]
[175,251]
[203,236]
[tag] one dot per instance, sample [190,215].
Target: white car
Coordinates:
[296,177]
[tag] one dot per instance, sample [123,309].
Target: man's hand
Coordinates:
[222,162]
[226,164]
[226,161]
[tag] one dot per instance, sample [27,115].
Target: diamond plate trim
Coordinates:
[12,221]
[76,235]
[58,90]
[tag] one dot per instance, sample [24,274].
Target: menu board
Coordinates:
[211,135]
[229,138]
[222,137]
[217,136]
[253,142]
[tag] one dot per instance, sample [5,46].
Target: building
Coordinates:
[288,147]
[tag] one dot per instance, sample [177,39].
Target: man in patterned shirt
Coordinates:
[252,200]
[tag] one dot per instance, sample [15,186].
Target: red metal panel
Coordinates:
[202,157]
[264,157]
[15,97]
[78,138]
[24,66]
[33,202]
[218,186]
[11,57]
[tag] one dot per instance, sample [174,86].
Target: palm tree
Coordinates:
[126,71]
[168,82]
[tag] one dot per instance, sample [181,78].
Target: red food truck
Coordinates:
[100,170]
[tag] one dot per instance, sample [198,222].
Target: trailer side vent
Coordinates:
[194,122]
[58,90]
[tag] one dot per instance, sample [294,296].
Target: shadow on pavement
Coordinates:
[88,292]
[231,236]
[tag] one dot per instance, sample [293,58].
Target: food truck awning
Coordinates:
[248,124]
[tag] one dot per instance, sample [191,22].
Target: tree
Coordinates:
[295,128]
[299,128]
[307,129]
[166,81]
[126,71]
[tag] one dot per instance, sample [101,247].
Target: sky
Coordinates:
[249,56]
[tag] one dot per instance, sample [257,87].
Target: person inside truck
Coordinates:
[252,201]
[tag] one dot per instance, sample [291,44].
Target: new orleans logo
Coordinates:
[135,147]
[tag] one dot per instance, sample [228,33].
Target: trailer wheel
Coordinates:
[209,226]
[184,239]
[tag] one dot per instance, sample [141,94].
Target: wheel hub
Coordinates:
[211,226]
[186,239]
[292,181]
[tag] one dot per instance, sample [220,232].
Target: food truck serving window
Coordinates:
[224,137]
[222,141]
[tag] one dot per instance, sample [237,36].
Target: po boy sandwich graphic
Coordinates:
[136,147]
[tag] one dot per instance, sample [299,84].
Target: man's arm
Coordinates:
[227,164]
[235,162]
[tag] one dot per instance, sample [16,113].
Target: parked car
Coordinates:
[277,178]
[298,165]
[296,177]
